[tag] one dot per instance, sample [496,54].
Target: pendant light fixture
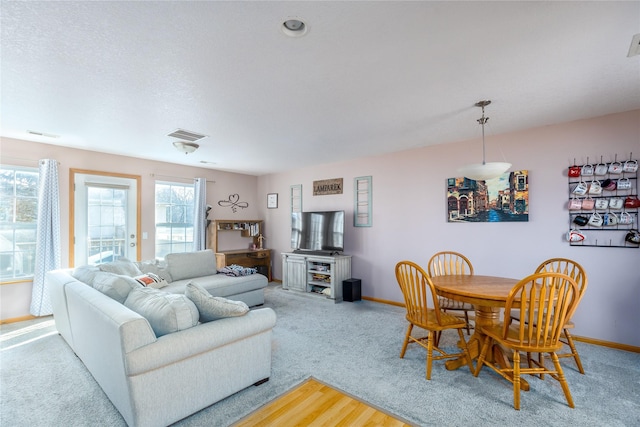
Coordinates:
[483,171]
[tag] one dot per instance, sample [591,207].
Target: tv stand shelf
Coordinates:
[316,273]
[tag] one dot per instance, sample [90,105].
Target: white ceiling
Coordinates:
[367,78]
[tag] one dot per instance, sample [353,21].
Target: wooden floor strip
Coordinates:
[316,404]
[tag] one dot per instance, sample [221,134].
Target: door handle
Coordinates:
[132,244]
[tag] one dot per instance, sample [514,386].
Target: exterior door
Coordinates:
[105,217]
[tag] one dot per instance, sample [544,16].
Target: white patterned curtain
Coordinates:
[200,214]
[47,236]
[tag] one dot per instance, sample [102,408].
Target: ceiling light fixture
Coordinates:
[483,171]
[186,147]
[294,27]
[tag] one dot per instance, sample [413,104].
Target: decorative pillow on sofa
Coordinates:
[165,312]
[212,308]
[151,280]
[86,273]
[187,265]
[156,267]
[121,266]
[115,286]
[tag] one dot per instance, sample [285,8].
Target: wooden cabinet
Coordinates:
[253,231]
[261,259]
[316,273]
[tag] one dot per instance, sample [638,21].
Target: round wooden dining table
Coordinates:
[488,294]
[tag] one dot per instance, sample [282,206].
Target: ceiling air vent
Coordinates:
[187,135]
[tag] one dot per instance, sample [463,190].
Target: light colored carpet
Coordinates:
[352,346]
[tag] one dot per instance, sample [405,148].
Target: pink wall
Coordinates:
[15,298]
[409,216]
[409,212]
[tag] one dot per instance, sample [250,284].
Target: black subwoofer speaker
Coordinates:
[352,290]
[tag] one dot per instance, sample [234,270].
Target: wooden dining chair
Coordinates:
[448,263]
[419,293]
[577,273]
[545,301]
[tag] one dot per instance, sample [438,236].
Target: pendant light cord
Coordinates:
[482,120]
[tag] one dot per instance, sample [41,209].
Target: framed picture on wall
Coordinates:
[272,200]
[501,199]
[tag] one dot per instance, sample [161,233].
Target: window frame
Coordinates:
[187,245]
[14,225]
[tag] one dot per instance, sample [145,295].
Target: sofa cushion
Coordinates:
[156,267]
[165,312]
[115,286]
[213,308]
[187,265]
[121,266]
[220,285]
[85,273]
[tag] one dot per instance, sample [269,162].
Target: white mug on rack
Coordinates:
[575,235]
[630,166]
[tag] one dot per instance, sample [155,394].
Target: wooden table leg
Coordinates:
[485,316]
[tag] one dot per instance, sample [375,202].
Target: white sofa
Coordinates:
[156,381]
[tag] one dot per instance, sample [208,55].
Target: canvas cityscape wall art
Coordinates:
[501,199]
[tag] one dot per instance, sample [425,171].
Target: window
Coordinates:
[18,220]
[174,218]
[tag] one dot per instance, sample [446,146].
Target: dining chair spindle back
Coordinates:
[544,302]
[449,263]
[419,293]
[577,273]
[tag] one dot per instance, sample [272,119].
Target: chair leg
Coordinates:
[562,379]
[573,350]
[406,340]
[466,319]
[437,338]
[516,380]
[466,351]
[541,363]
[429,353]
[483,354]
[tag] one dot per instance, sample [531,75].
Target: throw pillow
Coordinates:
[212,308]
[165,312]
[121,266]
[114,285]
[187,265]
[85,273]
[156,267]
[151,280]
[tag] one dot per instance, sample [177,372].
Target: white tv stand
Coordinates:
[320,274]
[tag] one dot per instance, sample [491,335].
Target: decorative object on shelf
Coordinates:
[272,201]
[233,202]
[186,147]
[484,170]
[327,186]
[261,239]
[501,199]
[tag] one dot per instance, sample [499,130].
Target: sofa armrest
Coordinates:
[202,338]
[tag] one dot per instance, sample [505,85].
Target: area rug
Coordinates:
[316,403]
[355,348]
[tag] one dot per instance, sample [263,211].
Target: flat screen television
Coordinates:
[317,231]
